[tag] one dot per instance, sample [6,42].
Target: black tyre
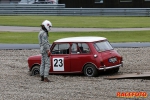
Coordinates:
[116,70]
[90,70]
[35,70]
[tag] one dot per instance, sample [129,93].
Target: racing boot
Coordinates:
[42,78]
[46,79]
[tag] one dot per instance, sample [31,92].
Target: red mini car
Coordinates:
[87,55]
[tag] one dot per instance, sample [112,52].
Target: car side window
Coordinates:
[83,48]
[61,48]
[74,48]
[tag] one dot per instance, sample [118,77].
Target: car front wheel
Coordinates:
[35,70]
[90,70]
[116,70]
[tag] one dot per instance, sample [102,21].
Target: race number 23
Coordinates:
[58,64]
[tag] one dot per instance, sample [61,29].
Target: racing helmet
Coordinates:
[47,24]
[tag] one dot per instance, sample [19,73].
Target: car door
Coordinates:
[60,58]
[80,55]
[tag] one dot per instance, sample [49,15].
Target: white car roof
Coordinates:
[81,39]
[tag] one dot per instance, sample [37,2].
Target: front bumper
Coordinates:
[110,67]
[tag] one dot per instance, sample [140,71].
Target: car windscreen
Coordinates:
[102,46]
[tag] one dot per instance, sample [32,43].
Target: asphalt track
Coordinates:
[36,46]
[36,29]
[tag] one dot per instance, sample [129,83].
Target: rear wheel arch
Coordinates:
[34,65]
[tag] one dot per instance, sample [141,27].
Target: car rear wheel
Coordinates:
[35,70]
[90,70]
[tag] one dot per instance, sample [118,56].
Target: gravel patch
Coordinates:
[16,84]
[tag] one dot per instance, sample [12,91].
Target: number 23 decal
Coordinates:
[58,64]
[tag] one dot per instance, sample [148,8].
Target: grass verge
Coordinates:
[32,37]
[77,21]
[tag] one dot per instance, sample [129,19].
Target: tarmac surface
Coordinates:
[36,46]
[36,29]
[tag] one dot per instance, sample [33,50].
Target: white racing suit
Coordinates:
[45,60]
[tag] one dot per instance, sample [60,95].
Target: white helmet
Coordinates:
[47,24]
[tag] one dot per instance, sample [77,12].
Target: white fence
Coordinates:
[60,10]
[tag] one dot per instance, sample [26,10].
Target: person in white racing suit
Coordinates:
[44,50]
